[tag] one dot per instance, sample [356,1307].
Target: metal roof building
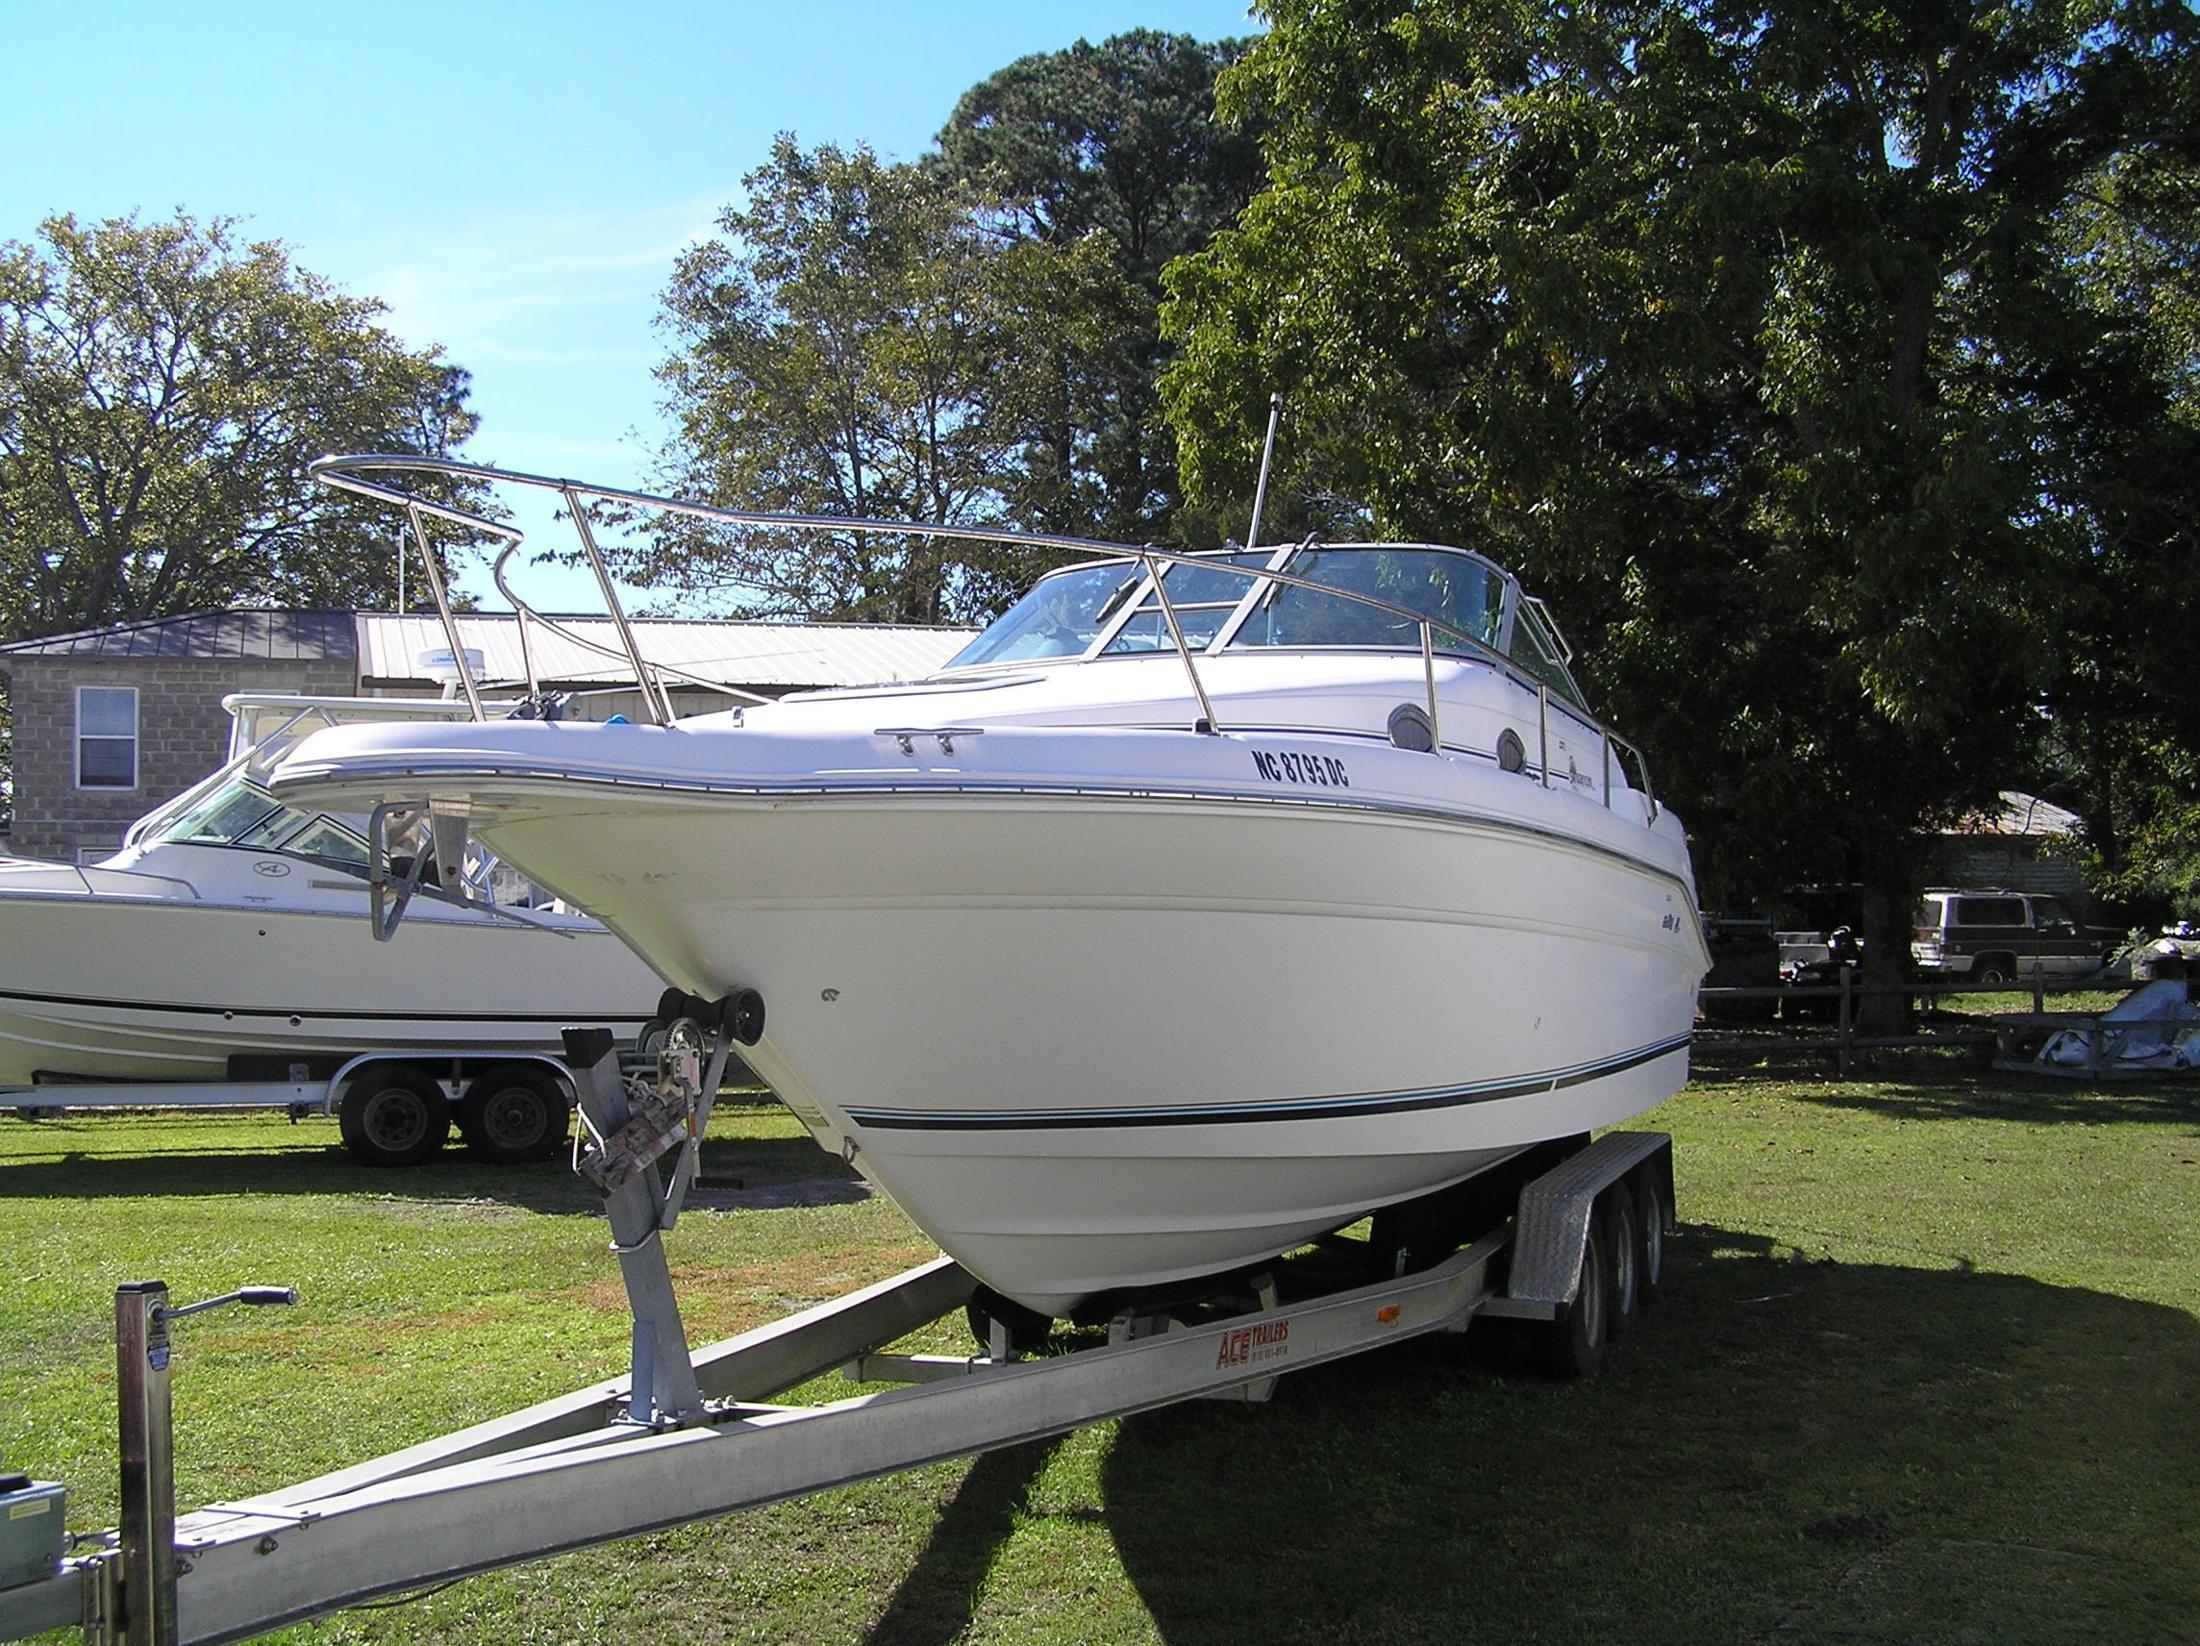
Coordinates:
[390,648]
[110,722]
[285,636]
[769,658]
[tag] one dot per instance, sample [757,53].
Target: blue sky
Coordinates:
[513,180]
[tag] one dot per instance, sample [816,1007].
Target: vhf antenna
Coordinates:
[1267,454]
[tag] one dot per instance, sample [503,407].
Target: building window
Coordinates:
[106,737]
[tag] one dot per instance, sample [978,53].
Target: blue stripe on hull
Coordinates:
[1312,1108]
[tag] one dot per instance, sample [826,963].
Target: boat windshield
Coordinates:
[241,813]
[1537,649]
[1067,611]
[1465,595]
[1202,598]
[1061,617]
[1464,598]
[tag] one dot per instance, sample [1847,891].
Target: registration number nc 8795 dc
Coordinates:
[1290,766]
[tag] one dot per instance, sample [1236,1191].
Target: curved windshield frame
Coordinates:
[1472,604]
[1536,649]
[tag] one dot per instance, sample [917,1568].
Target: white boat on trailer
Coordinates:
[1205,903]
[219,959]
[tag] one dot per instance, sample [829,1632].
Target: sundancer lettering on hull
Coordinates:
[1205,903]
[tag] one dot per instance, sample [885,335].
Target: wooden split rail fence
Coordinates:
[2004,1030]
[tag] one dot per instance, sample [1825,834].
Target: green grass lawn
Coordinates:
[1927,1369]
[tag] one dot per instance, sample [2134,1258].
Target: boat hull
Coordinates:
[109,988]
[1108,1042]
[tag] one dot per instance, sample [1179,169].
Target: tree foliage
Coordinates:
[2127,713]
[969,339]
[1757,338]
[163,386]
[836,349]
[1106,163]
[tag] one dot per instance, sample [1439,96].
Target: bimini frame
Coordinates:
[350,473]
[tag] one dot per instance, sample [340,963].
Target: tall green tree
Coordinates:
[1106,162]
[2127,715]
[163,386]
[1752,335]
[836,348]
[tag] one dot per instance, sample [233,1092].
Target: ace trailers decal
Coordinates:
[1320,771]
[1249,1345]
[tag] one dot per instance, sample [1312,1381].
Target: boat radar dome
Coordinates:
[439,664]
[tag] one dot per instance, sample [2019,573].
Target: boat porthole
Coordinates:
[1412,730]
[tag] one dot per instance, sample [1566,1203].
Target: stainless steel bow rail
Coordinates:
[348,472]
[690,1434]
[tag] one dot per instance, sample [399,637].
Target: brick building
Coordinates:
[108,723]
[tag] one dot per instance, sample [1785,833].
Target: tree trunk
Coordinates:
[1889,896]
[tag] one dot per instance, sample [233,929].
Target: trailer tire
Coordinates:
[1573,1344]
[1623,1221]
[1652,1213]
[393,1114]
[513,1115]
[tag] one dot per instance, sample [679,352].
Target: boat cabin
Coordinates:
[1239,600]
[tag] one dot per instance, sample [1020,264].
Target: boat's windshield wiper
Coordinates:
[1311,540]
[1114,602]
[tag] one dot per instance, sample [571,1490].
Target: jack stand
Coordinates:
[143,1351]
[664,1388]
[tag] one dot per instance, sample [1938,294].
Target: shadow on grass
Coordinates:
[1781,1450]
[1948,1090]
[2032,1099]
[938,1600]
[71,1159]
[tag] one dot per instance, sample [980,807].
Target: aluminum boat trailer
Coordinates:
[395,1108]
[691,1435]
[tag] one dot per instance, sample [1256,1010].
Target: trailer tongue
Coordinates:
[693,1434]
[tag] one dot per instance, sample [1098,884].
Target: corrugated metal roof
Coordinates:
[2017,814]
[773,656]
[279,636]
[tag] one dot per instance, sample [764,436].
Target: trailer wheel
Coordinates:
[1623,1224]
[393,1115]
[510,1116]
[1573,1344]
[1652,1212]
